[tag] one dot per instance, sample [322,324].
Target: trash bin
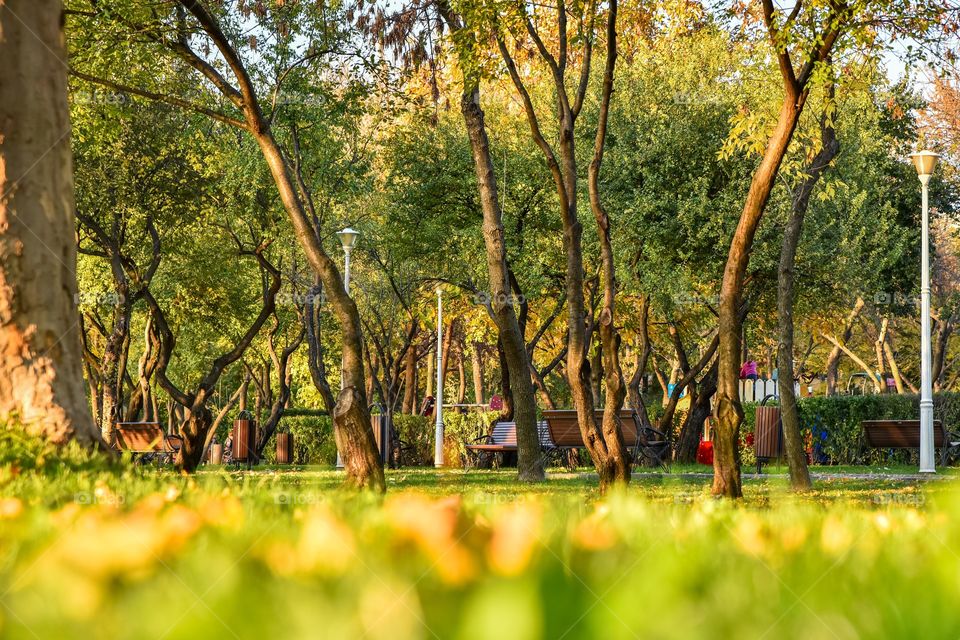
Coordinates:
[284,448]
[768,435]
[216,453]
[243,434]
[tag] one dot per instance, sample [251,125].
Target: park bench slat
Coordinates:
[503,437]
[145,438]
[565,433]
[565,430]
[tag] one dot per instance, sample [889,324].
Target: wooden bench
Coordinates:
[905,434]
[503,439]
[899,434]
[654,445]
[146,440]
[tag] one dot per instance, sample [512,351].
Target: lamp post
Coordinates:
[438,443]
[348,238]
[925,162]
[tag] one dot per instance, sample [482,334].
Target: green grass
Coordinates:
[96,551]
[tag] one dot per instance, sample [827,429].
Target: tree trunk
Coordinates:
[617,459]
[410,377]
[41,381]
[701,394]
[194,431]
[898,377]
[643,354]
[352,420]
[476,361]
[431,374]
[833,359]
[729,413]
[461,376]
[111,369]
[793,439]
[518,387]
[941,343]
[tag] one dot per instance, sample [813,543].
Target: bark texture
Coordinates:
[530,464]
[41,381]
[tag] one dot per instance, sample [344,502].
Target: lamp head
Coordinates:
[348,238]
[925,162]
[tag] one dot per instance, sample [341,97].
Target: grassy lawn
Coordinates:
[94,552]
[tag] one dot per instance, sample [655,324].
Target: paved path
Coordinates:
[882,477]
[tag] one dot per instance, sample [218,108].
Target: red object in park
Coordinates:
[496,403]
[705,453]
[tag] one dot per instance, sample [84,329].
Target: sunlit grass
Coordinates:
[125,552]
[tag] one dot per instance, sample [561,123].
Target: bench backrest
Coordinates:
[141,437]
[565,430]
[505,433]
[899,434]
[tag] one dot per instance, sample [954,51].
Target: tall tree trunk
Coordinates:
[476,361]
[643,355]
[518,387]
[410,376]
[461,378]
[431,374]
[617,459]
[351,417]
[728,412]
[112,364]
[833,359]
[596,368]
[941,342]
[796,456]
[41,381]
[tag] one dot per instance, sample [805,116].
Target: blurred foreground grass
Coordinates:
[90,551]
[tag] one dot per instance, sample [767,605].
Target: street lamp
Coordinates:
[348,238]
[438,442]
[925,162]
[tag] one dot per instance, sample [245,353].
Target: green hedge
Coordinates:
[417,434]
[312,440]
[833,423]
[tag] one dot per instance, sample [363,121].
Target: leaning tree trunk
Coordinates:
[796,456]
[512,347]
[833,359]
[41,381]
[728,412]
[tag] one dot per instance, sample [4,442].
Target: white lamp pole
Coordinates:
[438,443]
[925,162]
[348,238]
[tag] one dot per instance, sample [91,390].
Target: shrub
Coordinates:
[834,423]
[20,451]
[460,429]
[313,441]
[417,435]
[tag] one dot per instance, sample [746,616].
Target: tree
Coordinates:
[829,146]
[41,383]
[809,33]
[605,443]
[174,33]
